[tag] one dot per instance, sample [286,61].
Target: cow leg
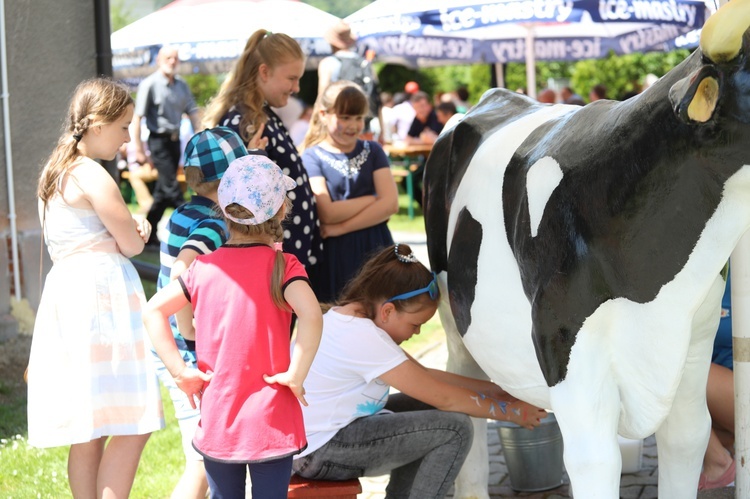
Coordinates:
[473,479]
[682,438]
[587,408]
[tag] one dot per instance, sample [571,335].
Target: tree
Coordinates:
[203,86]
[622,74]
[120,15]
[339,8]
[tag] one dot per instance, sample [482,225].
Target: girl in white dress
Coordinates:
[90,383]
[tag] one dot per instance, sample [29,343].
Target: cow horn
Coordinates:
[721,37]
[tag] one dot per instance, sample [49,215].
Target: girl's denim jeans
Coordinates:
[422,449]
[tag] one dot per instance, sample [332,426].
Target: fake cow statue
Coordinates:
[579,253]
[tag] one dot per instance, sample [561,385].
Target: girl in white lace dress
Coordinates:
[90,383]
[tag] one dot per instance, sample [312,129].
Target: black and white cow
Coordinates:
[579,253]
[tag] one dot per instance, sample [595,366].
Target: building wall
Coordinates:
[51,47]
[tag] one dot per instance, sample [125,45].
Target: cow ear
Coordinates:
[694,98]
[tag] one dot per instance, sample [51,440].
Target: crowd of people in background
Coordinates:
[301,199]
[566,95]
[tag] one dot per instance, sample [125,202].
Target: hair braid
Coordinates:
[80,127]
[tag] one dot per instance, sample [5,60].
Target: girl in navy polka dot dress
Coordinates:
[267,74]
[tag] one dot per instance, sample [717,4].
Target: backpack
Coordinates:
[358,70]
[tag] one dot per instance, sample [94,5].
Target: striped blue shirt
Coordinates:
[197,225]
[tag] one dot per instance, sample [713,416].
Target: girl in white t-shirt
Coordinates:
[426,438]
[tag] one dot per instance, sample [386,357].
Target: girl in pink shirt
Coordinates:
[243,296]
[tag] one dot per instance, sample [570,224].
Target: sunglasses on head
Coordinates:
[431,289]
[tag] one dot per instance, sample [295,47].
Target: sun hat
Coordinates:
[257,184]
[212,150]
[340,35]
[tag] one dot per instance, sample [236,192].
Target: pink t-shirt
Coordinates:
[240,336]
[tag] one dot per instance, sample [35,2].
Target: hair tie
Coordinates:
[77,137]
[410,258]
[268,33]
[278,247]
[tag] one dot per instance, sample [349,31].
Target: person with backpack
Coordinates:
[346,64]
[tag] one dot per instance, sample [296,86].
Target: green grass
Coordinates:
[432,331]
[12,411]
[400,222]
[29,472]
[152,257]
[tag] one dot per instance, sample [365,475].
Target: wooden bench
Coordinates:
[323,489]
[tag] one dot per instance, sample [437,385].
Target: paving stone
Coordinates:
[723,493]
[638,479]
[630,492]
[649,492]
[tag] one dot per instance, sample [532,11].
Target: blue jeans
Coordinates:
[270,479]
[422,449]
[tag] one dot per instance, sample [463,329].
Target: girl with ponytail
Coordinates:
[264,77]
[355,428]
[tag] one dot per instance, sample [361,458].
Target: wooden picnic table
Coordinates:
[406,160]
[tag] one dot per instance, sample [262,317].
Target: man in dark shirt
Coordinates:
[163,98]
[426,127]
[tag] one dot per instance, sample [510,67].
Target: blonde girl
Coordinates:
[353,186]
[424,441]
[243,295]
[91,385]
[264,77]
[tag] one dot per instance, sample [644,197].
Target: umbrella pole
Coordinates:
[530,62]
[499,71]
[740,268]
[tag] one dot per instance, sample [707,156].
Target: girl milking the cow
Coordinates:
[421,435]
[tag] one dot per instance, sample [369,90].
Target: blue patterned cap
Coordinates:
[212,151]
[257,184]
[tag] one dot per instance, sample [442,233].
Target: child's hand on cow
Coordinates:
[524,414]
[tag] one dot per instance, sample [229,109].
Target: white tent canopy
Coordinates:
[428,32]
[423,33]
[211,34]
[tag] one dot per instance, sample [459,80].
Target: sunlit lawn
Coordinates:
[400,222]
[26,472]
